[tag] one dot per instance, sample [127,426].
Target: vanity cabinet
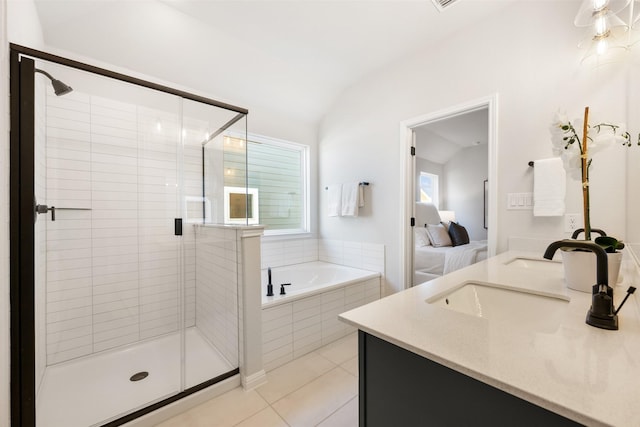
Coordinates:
[400,388]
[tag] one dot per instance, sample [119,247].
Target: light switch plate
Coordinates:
[519,201]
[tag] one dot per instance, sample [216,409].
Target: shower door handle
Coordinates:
[43,209]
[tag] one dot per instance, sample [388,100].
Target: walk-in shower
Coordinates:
[125,303]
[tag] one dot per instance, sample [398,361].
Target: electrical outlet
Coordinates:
[572,222]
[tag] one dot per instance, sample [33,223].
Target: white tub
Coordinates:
[308,279]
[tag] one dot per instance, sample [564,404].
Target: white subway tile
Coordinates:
[64,285]
[62,295]
[78,273]
[115,278]
[120,304]
[68,334]
[70,324]
[68,134]
[66,154]
[285,341]
[69,354]
[67,174]
[68,165]
[110,334]
[68,304]
[66,113]
[125,294]
[115,324]
[109,316]
[68,314]
[116,342]
[54,184]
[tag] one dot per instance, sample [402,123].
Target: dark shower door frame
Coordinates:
[22,235]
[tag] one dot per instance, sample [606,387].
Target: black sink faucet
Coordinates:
[601,314]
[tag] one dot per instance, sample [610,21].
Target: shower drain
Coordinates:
[139,376]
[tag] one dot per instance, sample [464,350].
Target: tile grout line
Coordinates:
[309,382]
[338,409]
[305,384]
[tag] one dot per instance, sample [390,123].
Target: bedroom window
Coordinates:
[277,171]
[429,188]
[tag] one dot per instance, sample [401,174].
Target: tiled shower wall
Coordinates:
[113,271]
[217,264]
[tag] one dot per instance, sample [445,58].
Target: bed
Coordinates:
[439,256]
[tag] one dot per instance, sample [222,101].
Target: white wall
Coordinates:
[534,72]
[23,24]
[4,218]
[464,188]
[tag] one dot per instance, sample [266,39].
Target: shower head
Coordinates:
[58,87]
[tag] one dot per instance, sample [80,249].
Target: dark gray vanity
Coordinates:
[401,388]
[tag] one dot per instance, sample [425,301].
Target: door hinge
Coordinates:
[413,222]
[413,151]
[177,225]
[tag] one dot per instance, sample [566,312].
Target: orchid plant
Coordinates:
[577,149]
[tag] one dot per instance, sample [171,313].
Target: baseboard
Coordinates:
[255,380]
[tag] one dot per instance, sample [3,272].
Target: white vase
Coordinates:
[580,269]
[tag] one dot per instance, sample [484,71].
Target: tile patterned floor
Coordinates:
[318,389]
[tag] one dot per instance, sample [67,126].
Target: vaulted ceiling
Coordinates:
[290,57]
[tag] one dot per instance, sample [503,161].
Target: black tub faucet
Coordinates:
[601,314]
[269,284]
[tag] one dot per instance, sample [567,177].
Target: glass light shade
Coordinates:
[590,9]
[605,22]
[613,37]
[605,50]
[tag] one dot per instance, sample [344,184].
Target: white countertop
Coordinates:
[584,373]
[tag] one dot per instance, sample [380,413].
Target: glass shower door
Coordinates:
[211,259]
[109,282]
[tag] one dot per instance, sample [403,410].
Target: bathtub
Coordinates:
[306,318]
[308,279]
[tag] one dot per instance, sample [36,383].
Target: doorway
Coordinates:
[478,211]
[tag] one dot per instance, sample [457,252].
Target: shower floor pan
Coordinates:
[94,390]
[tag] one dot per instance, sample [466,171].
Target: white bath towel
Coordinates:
[549,187]
[350,198]
[334,203]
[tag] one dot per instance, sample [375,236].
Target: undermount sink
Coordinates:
[541,312]
[535,264]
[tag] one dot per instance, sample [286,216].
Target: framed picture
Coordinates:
[486,204]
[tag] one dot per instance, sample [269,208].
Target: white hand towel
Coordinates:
[335,199]
[350,198]
[360,196]
[549,187]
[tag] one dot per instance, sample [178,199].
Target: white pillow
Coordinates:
[438,235]
[421,238]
